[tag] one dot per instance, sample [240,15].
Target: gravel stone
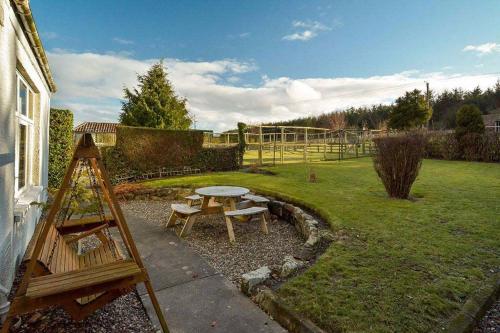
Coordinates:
[253,278]
[291,266]
[491,321]
[208,237]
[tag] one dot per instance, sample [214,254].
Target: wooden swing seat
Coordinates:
[84,224]
[65,257]
[48,290]
[66,260]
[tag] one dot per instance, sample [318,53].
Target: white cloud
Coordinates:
[123,41]
[303,36]
[483,49]
[240,35]
[312,25]
[309,29]
[91,85]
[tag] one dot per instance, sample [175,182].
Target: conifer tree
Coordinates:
[154,103]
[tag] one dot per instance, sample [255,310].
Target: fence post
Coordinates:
[324,145]
[363,142]
[282,157]
[305,146]
[260,145]
[341,152]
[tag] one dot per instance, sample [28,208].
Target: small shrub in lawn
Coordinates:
[397,161]
[312,176]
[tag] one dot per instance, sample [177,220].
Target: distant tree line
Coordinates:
[444,107]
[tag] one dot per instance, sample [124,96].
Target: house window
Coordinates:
[24,135]
[497,126]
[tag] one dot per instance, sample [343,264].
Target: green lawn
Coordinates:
[402,265]
[291,155]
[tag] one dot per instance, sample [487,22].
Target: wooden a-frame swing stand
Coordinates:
[78,284]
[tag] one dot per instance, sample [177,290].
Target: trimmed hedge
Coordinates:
[141,150]
[470,147]
[60,144]
[149,148]
[218,159]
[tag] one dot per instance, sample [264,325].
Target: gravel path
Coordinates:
[208,237]
[491,321]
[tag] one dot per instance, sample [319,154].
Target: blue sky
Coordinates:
[296,57]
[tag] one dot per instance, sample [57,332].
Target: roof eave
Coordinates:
[24,11]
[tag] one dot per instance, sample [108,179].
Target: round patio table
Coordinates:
[226,194]
[222,191]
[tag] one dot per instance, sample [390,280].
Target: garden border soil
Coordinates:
[475,307]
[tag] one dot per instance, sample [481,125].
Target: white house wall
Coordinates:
[14,48]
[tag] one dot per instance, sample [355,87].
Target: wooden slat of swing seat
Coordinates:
[106,253]
[84,224]
[65,257]
[84,279]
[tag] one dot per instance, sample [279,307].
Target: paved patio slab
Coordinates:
[194,298]
[168,259]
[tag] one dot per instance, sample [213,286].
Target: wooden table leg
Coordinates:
[232,203]
[229,223]
[206,201]
[171,220]
[263,224]
[230,231]
[186,230]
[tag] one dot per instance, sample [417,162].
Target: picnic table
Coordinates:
[227,195]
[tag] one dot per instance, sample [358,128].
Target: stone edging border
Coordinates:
[287,318]
[475,307]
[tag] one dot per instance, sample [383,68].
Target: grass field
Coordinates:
[402,266]
[314,154]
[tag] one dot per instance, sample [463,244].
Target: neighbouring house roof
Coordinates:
[23,10]
[94,127]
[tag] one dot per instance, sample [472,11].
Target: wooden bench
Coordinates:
[194,199]
[59,255]
[83,224]
[257,199]
[185,212]
[64,255]
[80,284]
[245,215]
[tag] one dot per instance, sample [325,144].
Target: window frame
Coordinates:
[21,119]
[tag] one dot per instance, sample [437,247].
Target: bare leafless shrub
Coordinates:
[312,176]
[397,161]
[337,121]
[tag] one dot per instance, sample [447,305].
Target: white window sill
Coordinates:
[23,202]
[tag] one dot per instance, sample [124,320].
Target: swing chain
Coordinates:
[63,213]
[97,191]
